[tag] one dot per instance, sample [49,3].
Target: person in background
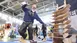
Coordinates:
[30,15]
[44,32]
[36,31]
[1,31]
[51,29]
[7,30]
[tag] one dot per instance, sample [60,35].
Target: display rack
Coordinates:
[61,22]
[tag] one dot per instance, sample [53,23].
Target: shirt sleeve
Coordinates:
[24,7]
[38,19]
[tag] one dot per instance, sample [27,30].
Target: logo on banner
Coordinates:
[73,13]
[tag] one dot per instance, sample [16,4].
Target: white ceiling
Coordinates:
[13,6]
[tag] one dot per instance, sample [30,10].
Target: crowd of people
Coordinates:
[7,31]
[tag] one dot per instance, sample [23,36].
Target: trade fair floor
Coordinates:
[26,42]
[16,40]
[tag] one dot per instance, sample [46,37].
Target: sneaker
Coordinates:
[68,36]
[32,41]
[22,40]
[44,39]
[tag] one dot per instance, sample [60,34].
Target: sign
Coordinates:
[73,18]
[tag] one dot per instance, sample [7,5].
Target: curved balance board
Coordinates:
[62,11]
[67,22]
[65,31]
[66,26]
[61,20]
[55,15]
[61,16]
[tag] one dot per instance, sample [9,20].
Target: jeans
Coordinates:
[24,27]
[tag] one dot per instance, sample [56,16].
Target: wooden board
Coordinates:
[62,11]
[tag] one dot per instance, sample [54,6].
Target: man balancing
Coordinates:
[30,15]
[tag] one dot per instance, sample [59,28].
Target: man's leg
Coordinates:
[22,30]
[30,31]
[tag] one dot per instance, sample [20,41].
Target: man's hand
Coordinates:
[22,3]
[25,2]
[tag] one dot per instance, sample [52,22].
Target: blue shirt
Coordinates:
[30,16]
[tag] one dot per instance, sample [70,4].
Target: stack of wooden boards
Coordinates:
[61,19]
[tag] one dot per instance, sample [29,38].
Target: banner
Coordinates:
[73,18]
[73,3]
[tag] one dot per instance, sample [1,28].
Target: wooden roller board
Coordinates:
[65,30]
[60,20]
[66,22]
[55,15]
[56,26]
[66,26]
[61,16]
[62,11]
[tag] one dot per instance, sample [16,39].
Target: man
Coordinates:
[30,15]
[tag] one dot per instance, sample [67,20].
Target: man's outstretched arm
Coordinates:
[38,19]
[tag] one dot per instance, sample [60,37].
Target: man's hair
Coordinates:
[33,3]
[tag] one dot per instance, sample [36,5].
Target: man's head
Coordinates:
[33,6]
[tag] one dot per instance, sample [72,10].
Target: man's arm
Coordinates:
[24,5]
[38,19]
